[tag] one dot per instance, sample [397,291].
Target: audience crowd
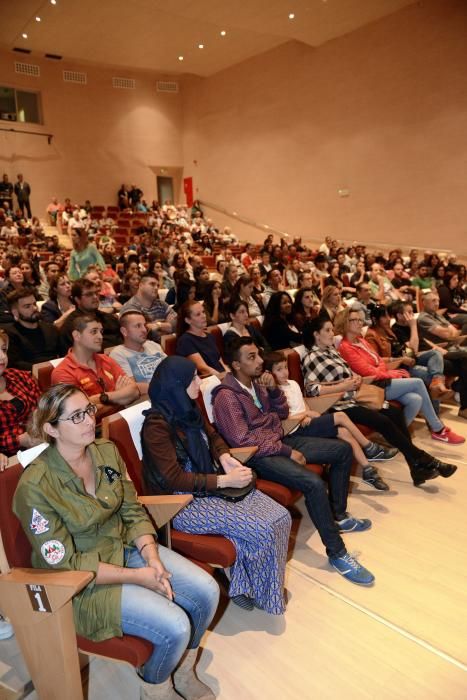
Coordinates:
[155,300]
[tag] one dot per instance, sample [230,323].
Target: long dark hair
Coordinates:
[312,327]
[272,315]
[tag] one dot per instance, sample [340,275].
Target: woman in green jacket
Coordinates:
[79,510]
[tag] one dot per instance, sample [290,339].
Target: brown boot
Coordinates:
[187,683]
[439,391]
[462,413]
[158,691]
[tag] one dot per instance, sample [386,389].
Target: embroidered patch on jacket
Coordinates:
[39,524]
[53,551]
[111,474]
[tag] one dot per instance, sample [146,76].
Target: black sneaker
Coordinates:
[378,453]
[371,477]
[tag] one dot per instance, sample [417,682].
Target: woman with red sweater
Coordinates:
[398,385]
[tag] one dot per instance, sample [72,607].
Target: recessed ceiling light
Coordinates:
[53,2]
[223,32]
[291,16]
[38,19]
[24,35]
[180,58]
[201,46]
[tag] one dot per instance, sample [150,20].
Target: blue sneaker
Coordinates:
[351,524]
[349,568]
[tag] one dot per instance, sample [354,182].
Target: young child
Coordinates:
[329,425]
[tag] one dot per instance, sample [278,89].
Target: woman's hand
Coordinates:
[400,374]
[237,478]
[351,384]
[408,361]
[228,462]
[155,578]
[3,462]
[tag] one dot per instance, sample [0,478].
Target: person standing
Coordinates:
[23,192]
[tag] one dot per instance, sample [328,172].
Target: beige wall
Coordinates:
[102,136]
[381,111]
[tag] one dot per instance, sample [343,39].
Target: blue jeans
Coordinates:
[323,509]
[414,397]
[170,626]
[429,364]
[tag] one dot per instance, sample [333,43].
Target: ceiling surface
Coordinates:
[152,34]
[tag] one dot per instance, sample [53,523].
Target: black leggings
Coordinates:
[391,424]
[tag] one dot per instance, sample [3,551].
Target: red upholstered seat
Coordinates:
[133,650]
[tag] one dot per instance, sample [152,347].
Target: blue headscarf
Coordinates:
[167,392]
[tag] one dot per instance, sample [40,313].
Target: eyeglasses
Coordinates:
[79,416]
[356,320]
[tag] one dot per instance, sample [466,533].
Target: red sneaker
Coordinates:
[448,436]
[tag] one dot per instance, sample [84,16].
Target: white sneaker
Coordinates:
[6,630]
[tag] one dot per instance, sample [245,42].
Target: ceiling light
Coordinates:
[38,19]
[53,2]
[180,58]
[223,32]
[291,16]
[24,35]
[201,46]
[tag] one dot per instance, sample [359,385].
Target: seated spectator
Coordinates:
[436,328]
[76,223]
[106,292]
[334,277]
[274,284]
[453,298]
[265,265]
[400,280]
[19,394]
[31,340]
[53,210]
[186,290]
[360,275]
[325,372]
[247,412]
[381,288]
[201,275]
[88,509]
[255,276]
[130,286]
[30,276]
[292,271]
[51,272]
[389,345]
[248,255]
[306,306]
[97,374]
[218,275]
[161,318]
[180,451]
[179,277]
[398,385]
[194,342]
[423,280]
[59,305]
[137,356]
[85,297]
[228,282]
[83,255]
[331,302]
[330,425]
[214,307]
[439,274]
[9,229]
[178,263]
[244,290]
[239,326]
[278,326]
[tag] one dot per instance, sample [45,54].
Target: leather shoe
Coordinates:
[445,470]
[422,474]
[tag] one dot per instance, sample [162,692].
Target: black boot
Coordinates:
[424,469]
[445,470]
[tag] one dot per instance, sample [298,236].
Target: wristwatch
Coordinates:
[104,398]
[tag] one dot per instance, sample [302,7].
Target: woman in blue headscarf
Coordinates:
[183,454]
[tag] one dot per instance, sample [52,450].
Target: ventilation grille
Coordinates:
[27,69]
[73,76]
[167,86]
[126,83]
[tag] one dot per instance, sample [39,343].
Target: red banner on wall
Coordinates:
[188,189]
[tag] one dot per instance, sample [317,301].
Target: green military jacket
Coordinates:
[69,529]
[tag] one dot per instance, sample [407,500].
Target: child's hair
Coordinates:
[273,358]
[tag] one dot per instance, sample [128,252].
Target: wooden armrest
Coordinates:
[164,508]
[321,404]
[243,454]
[288,424]
[76,580]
